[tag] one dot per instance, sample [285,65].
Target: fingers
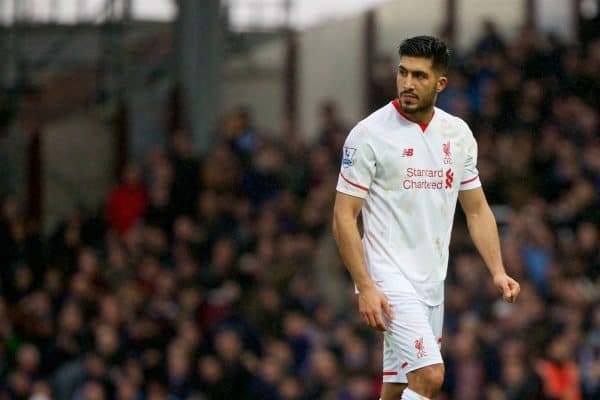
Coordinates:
[380,323]
[373,306]
[374,320]
[510,291]
[370,320]
[515,290]
[388,310]
[507,294]
[365,319]
[508,286]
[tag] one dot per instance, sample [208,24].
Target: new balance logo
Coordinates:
[408,152]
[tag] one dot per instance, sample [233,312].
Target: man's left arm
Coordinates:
[484,233]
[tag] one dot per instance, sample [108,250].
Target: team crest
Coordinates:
[420,346]
[348,159]
[447,153]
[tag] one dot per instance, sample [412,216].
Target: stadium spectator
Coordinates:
[127,202]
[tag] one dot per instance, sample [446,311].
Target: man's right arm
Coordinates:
[345,230]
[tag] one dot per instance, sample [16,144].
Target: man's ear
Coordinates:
[441,84]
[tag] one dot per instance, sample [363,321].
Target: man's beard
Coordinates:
[423,103]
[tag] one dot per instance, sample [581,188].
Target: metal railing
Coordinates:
[63,11]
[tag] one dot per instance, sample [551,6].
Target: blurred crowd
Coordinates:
[217,277]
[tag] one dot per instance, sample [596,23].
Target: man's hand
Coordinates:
[371,302]
[508,286]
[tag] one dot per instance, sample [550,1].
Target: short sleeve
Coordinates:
[358,164]
[470,178]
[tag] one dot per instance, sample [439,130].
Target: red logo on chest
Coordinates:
[447,152]
[408,152]
[449,179]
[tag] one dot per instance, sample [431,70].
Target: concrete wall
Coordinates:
[331,66]
[147,121]
[397,20]
[331,57]
[256,80]
[509,16]
[87,143]
[556,16]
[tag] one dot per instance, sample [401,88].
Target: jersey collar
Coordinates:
[422,125]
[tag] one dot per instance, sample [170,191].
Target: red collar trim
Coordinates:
[423,125]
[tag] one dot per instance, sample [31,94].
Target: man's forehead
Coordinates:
[416,63]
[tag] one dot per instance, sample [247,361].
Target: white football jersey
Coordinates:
[409,175]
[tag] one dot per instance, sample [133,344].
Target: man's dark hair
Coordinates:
[427,47]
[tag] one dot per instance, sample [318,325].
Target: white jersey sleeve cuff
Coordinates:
[470,183]
[351,188]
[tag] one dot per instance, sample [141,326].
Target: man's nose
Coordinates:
[408,82]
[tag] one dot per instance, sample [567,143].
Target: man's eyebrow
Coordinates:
[419,71]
